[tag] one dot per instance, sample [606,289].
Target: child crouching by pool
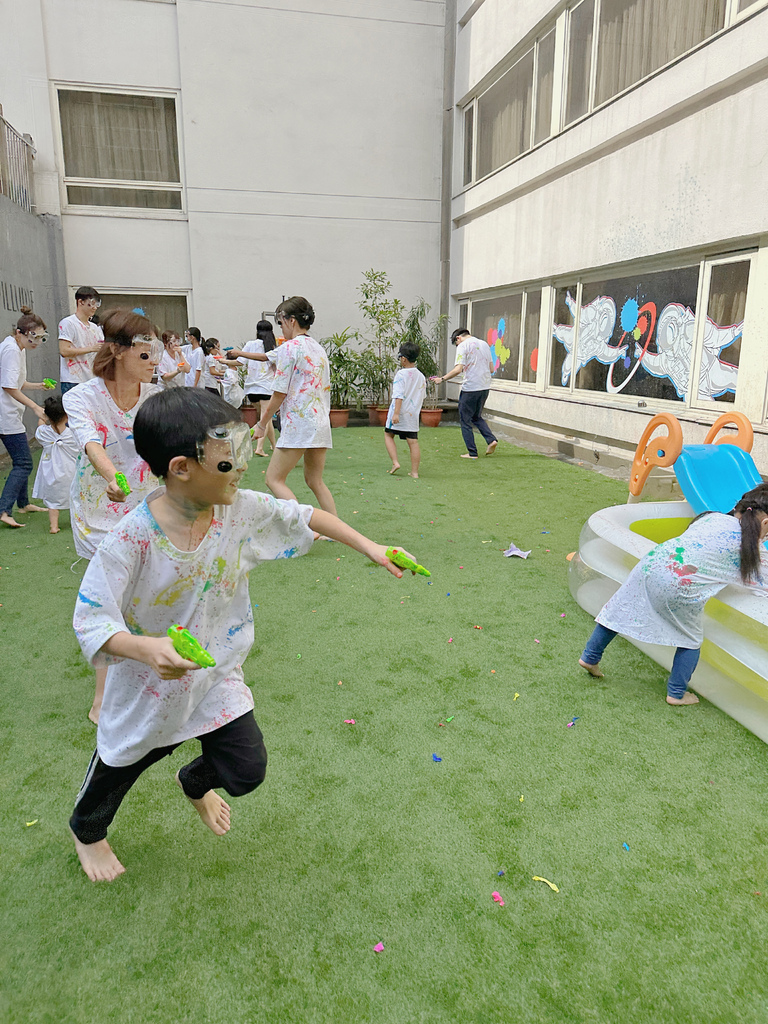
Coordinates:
[183,556]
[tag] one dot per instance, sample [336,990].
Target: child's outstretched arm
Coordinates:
[331,526]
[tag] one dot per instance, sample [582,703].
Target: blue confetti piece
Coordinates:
[500,874]
[436,758]
[545,531]
[626,847]
[448,595]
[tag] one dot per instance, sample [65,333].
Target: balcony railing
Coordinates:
[16,155]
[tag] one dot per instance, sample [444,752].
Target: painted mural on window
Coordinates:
[636,336]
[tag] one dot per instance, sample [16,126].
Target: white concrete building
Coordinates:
[208,157]
[610,213]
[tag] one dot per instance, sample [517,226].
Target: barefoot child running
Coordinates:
[58,462]
[662,600]
[408,390]
[183,556]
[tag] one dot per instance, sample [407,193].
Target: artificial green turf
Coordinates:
[358,836]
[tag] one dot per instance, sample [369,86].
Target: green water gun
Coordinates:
[49,384]
[186,645]
[404,562]
[122,482]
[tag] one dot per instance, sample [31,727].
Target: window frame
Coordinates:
[466,304]
[65,180]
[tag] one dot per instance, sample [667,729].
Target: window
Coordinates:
[504,117]
[635,37]
[545,73]
[510,326]
[530,354]
[580,24]
[120,150]
[167,312]
[469,141]
[721,343]
[563,332]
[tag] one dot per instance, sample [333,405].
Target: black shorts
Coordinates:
[404,435]
[258,398]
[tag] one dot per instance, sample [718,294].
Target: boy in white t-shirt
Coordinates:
[79,340]
[473,359]
[182,557]
[408,390]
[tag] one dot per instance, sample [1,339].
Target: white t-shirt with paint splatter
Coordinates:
[93,416]
[303,375]
[139,582]
[77,369]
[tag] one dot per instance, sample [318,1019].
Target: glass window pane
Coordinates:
[126,138]
[545,71]
[504,118]
[469,127]
[744,4]
[531,342]
[722,333]
[579,60]
[167,312]
[636,37]
[497,321]
[636,334]
[463,314]
[562,334]
[135,198]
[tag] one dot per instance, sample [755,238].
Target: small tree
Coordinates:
[427,336]
[344,365]
[385,317]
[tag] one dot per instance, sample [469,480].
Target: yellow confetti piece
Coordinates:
[515,697]
[521,798]
[552,886]
[32,822]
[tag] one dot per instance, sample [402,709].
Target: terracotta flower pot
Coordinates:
[250,415]
[431,417]
[339,417]
[378,415]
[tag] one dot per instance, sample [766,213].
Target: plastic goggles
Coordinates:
[156,347]
[225,448]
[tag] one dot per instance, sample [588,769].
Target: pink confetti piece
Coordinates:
[379,947]
[450,639]
[562,615]
[497,898]
[349,721]
[338,577]
[536,641]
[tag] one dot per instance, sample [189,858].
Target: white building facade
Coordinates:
[610,214]
[208,157]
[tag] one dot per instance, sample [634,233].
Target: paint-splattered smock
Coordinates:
[139,582]
[410,385]
[663,598]
[94,416]
[302,374]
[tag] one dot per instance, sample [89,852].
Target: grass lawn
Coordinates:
[358,836]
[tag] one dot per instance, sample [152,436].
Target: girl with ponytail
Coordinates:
[662,600]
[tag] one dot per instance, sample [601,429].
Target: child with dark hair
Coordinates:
[58,462]
[260,376]
[183,557]
[662,600]
[408,390]
[214,369]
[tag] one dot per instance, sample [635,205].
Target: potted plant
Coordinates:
[384,316]
[427,337]
[344,365]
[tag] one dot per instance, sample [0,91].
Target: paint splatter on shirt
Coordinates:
[303,376]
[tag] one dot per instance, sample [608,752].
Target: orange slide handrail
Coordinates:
[663,451]
[745,435]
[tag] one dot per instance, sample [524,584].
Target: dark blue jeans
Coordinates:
[66,385]
[685,661]
[470,416]
[15,490]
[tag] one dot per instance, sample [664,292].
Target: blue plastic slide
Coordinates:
[714,476]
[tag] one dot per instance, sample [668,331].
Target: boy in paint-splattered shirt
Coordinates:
[183,556]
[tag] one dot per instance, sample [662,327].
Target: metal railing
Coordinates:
[16,155]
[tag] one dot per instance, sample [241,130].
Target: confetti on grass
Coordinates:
[436,758]
[626,846]
[497,898]
[349,721]
[379,947]
[552,886]
[513,549]
[32,822]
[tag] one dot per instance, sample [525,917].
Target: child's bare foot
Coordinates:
[97,860]
[594,670]
[414,475]
[466,455]
[395,467]
[491,448]
[8,519]
[212,809]
[687,698]
[33,508]
[57,530]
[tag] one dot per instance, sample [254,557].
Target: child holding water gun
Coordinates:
[182,557]
[58,462]
[662,600]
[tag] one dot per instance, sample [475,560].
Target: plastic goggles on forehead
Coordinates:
[155,347]
[225,448]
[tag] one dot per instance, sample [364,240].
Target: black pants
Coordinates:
[471,418]
[234,758]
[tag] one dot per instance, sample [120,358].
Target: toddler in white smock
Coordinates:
[58,461]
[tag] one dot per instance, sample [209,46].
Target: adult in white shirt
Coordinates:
[29,333]
[302,393]
[194,355]
[473,359]
[101,414]
[79,340]
[259,381]
[173,368]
